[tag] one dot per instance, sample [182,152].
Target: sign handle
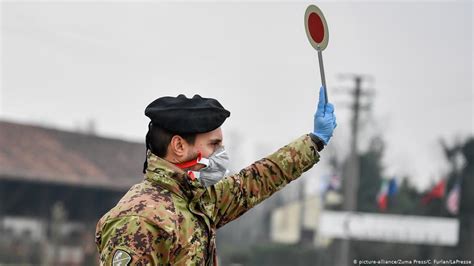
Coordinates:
[323,78]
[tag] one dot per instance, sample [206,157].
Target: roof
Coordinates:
[39,154]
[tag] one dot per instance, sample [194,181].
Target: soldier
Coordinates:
[171,217]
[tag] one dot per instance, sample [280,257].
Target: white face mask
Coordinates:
[216,168]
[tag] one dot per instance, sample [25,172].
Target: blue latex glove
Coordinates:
[324,119]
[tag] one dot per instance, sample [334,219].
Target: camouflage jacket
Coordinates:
[169,219]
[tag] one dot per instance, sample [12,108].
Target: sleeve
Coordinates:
[133,240]
[236,194]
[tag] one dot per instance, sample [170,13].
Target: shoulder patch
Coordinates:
[121,258]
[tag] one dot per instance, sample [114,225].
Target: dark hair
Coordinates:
[158,139]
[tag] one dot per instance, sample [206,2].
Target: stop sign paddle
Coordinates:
[318,36]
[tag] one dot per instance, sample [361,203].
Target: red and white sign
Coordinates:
[316,28]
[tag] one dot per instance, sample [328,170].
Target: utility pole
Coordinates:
[351,172]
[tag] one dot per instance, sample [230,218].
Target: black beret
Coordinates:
[184,115]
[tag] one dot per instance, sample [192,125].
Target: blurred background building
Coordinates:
[54,185]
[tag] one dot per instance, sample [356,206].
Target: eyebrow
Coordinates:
[215,141]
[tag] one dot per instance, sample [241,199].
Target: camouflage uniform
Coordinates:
[169,219]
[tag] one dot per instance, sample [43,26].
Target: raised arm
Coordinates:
[238,193]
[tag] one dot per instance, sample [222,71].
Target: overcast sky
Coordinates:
[64,64]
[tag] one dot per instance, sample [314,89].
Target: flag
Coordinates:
[382,196]
[452,203]
[392,187]
[436,193]
[388,189]
[329,182]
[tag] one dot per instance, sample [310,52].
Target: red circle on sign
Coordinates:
[316,27]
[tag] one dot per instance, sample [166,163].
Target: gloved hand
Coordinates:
[324,119]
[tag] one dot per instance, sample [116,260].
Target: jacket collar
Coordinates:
[171,177]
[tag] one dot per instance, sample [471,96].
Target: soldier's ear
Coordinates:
[178,146]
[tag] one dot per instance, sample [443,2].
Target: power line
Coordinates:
[351,171]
